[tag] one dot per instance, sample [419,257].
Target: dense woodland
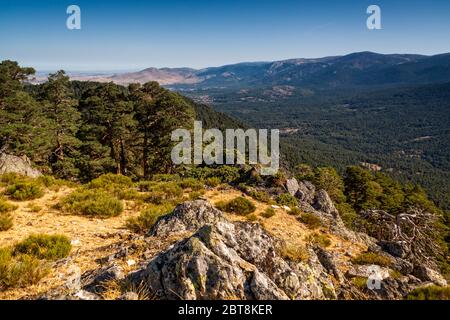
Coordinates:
[405,130]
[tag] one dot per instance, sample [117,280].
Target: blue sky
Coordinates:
[125,35]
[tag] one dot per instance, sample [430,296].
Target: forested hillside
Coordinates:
[404,130]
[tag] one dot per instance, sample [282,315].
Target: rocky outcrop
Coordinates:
[188,216]
[225,260]
[427,274]
[19,165]
[292,186]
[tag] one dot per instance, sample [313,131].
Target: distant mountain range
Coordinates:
[356,69]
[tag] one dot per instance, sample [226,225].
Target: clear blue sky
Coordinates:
[118,35]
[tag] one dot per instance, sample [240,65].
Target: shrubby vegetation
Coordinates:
[91,203]
[311,220]
[431,292]
[43,246]
[26,264]
[239,205]
[372,258]
[286,199]
[148,217]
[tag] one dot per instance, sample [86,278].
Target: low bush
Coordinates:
[11,178]
[261,196]
[43,246]
[192,184]
[6,221]
[147,218]
[286,199]
[430,293]
[372,258]
[213,182]
[360,282]
[34,208]
[117,185]
[319,239]
[6,207]
[166,177]
[26,190]
[294,253]
[311,220]
[252,217]
[91,203]
[163,192]
[295,211]
[268,213]
[17,271]
[239,205]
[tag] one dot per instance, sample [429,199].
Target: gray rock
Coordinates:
[225,260]
[19,165]
[427,274]
[324,203]
[398,249]
[188,216]
[129,296]
[86,295]
[94,281]
[292,186]
[306,192]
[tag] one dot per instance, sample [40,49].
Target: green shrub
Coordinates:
[319,239]
[34,207]
[347,213]
[146,186]
[6,221]
[192,184]
[431,292]
[20,270]
[109,180]
[12,178]
[23,191]
[43,246]
[6,207]
[295,211]
[195,195]
[53,183]
[166,177]
[372,258]
[213,182]
[311,220]
[294,253]
[147,218]
[162,192]
[268,213]
[360,282]
[261,196]
[252,217]
[286,199]
[117,185]
[91,203]
[239,205]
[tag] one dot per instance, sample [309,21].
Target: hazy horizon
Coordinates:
[135,35]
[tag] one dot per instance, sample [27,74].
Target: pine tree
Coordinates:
[61,126]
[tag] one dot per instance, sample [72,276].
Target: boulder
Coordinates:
[228,260]
[306,192]
[398,249]
[427,274]
[19,165]
[292,186]
[188,216]
[324,203]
